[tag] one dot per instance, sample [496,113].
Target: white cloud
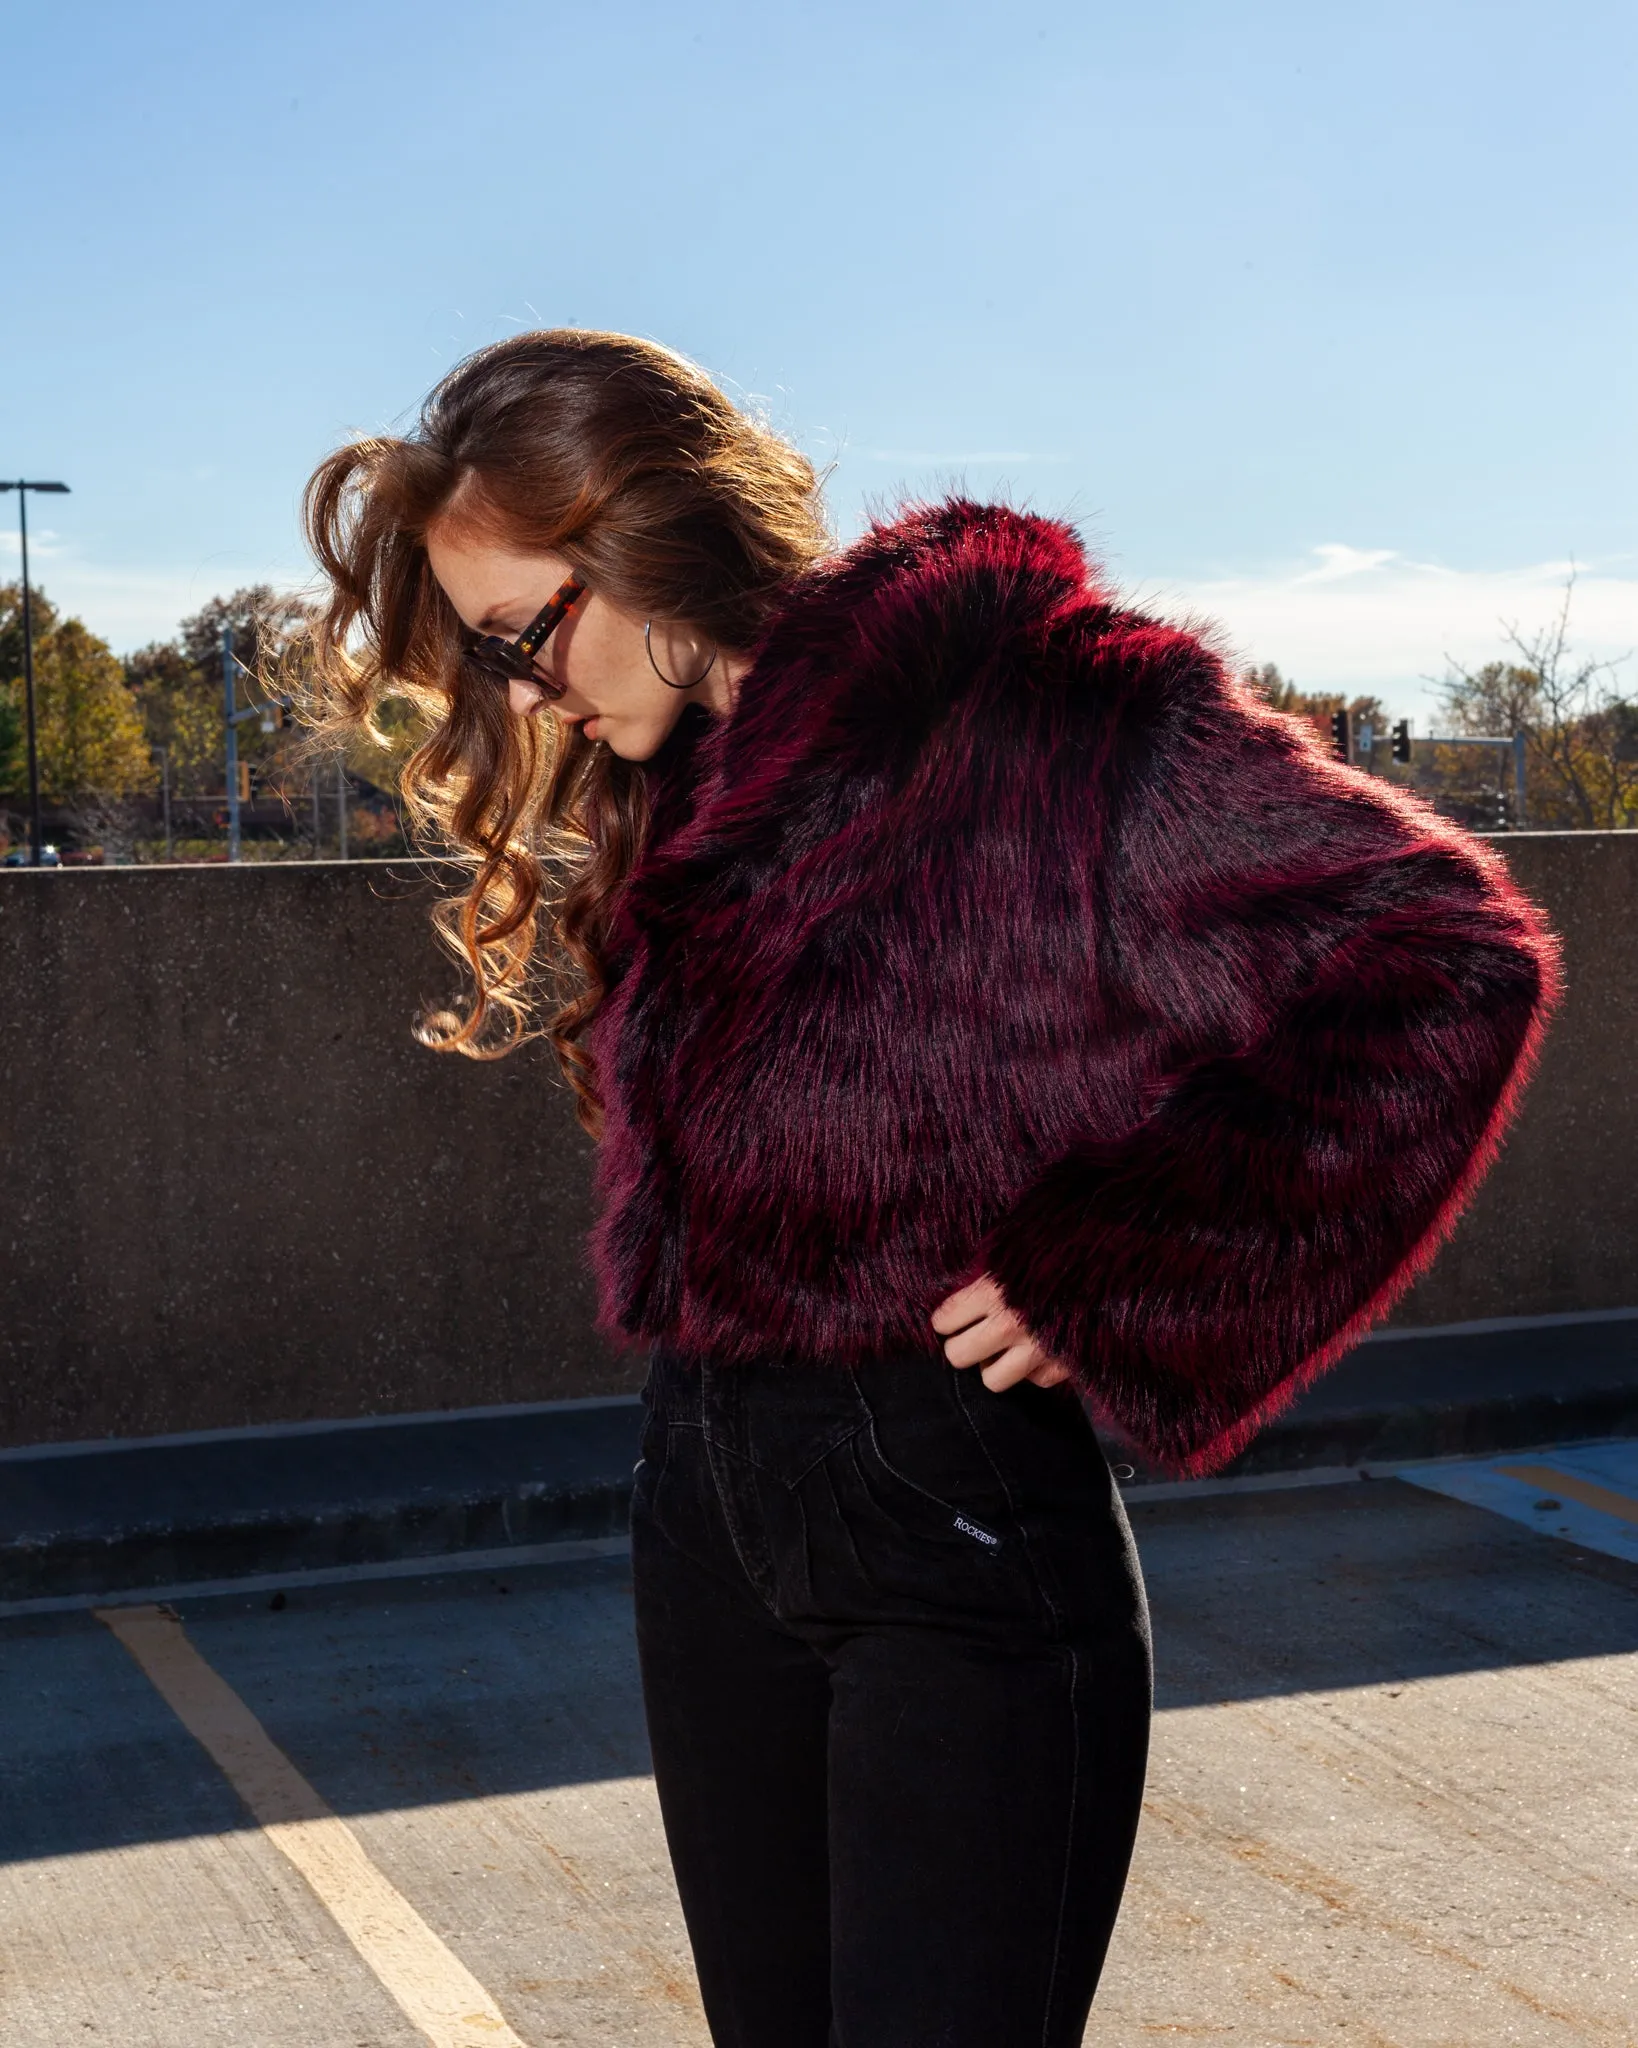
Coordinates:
[1342,617]
[128,607]
[1372,619]
[1336,561]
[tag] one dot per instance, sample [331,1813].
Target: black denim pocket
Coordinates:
[784,1421]
[884,1544]
[919,1506]
[927,1513]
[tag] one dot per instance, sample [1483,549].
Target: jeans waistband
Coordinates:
[688,1387]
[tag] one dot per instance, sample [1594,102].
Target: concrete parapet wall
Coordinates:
[237,1191]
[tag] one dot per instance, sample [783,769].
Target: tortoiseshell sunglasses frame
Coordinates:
[505,661]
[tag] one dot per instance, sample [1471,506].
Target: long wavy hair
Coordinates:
[624,458]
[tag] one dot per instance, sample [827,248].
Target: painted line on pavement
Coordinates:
[1586,1493]
[513,1557]
[1551,1480]
[430,1984]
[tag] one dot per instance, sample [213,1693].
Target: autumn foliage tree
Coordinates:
[1318,707]
[178,685]
[1580,731]
[89,730]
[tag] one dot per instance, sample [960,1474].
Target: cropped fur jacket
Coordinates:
[998,928]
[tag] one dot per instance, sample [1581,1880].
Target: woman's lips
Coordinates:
[584,719]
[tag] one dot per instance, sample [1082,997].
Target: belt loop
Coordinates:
[676,1382]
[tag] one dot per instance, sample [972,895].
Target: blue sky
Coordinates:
[1319,320]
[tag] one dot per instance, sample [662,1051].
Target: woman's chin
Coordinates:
[632,739]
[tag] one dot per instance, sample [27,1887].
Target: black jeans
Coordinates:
[895,1660]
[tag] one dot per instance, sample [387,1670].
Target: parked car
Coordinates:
[49,857]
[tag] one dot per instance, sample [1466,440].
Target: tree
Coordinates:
[1581,734]
[1318,708]
[13,737]
[90,730]
[181,709]
[43,613]
[13,711]
[90,735]
[178,683]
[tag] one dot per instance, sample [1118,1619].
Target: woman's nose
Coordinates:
[525,696]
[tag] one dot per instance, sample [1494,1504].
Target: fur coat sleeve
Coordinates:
[1342,995]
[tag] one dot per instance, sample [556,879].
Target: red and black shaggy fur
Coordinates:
[999,929]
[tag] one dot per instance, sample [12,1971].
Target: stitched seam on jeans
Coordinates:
[1024,1544]
[728,1508]
[944,1507]
[1069,1842]
[792,1480]
[852,1448]
[868,1427]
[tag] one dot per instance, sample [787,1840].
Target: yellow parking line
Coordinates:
[435,1989]
[1586,1491]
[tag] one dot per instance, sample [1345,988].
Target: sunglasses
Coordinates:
[496,660]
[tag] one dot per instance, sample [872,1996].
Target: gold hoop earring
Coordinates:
[648,628]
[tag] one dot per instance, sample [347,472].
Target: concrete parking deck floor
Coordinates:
[1391,1801]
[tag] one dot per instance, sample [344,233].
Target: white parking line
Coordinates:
[513,1557]
[435,1990]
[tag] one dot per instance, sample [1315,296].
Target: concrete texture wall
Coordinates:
[1555,1225]
[237,1191]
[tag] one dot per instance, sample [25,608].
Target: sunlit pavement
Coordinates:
[1586,1492]
[1390,1798]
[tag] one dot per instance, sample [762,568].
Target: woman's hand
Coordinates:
[986,1326]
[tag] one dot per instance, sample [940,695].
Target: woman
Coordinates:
[991,1017]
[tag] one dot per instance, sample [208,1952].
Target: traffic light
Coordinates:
[1401,740]
[1504,811]
[244,781]
[1339,735]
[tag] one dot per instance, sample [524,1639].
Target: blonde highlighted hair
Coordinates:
[625,459]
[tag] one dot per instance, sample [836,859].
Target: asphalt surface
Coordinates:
[1391,1797]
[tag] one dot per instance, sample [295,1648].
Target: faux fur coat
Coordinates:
[999,929]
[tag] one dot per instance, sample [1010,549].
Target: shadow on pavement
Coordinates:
[484,1685]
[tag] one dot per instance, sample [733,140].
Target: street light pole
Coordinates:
[1518,778]
[22,486]
[233,716]
[230,721]
[163,756]
[1514,742]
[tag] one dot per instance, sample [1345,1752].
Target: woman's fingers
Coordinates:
[1018,1363]
[979,1297]
[1023,1362]
[982,1340]
[979,1329]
